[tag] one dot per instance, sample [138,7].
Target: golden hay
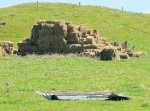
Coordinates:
[139,54]
[2,52]
[64,37]
[7,46]
[124,56]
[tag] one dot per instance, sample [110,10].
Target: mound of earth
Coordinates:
[64,37]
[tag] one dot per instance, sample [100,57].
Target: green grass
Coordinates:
[20,77]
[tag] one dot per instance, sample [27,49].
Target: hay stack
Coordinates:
[6,47]
[57,37]
[64,37]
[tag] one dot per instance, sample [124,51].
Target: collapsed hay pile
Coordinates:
[6,47]
[64,37]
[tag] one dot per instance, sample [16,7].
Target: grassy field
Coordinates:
[20,77]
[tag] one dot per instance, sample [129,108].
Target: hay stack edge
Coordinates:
[63,37]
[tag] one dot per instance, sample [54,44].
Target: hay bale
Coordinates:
[89,40]
[22,45]
[40,22]
[124,56]
[107,53]
[25,47]
[46,31]
[90,32]
[6,43]
[33,42]
[90,46]
[2,52]
[124,45]
[70,28]
[103,41]
[60,29]
[129,51]
[59,45]
[49,22]
[83,30]
[118,48]
[75,48]
[116,44]
[95,33]
[72,38]
[139,54]
[35,31]
[7,46]
[89,53]
[43,45]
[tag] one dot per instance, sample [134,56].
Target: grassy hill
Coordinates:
[20,77]
[113,24]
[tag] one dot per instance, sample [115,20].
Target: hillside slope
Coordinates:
[113,24]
